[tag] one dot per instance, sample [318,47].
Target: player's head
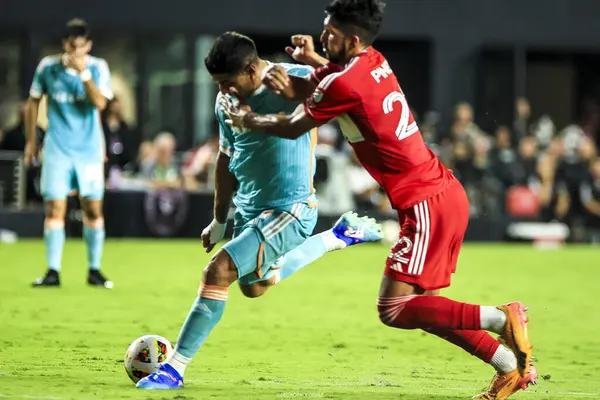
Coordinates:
[350,26]
[234,64]
[76,37]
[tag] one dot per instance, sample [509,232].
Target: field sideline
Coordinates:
[315,335]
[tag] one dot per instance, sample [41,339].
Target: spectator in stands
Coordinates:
[590,199]
[525,171]
[503,158]
[14,139]
[332,178]
[575,168]
[552,192]
[163,173]
[463,127]
[197,166]
[521,126]
[119,138]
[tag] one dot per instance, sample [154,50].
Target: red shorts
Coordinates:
[431,234]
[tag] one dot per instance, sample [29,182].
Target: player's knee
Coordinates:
[255,290]
[55,209]
[92,211]
[221,270]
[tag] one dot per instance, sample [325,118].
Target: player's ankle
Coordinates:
[331,241]
[179,362]
[504,360]
[492,319]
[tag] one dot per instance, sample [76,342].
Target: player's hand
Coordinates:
[302,49]
[76,59]
[276,79]
[30,154]
[235,111]
[213,234]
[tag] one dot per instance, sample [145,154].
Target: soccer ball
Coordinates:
[145,355]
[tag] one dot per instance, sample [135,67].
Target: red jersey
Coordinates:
[366,99]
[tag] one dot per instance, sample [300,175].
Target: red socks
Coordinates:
[451,320]
[428,312]
[478,343]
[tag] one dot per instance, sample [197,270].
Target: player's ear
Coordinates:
[355,42]
[251,69]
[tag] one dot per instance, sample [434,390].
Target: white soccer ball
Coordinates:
[145,355]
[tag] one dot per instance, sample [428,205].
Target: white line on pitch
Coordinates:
[25,396]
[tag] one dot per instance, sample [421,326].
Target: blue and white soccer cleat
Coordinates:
[353,229]
[166,378]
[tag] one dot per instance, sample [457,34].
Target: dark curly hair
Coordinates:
[358,17]
[231,53]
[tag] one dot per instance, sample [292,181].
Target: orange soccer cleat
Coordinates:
[515,334]
[504,386]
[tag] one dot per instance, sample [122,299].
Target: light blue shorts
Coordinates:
[61,176]
[260,240]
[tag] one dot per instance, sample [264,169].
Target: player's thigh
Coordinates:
[90,180]
[57,179]
[265,239]
[430,239]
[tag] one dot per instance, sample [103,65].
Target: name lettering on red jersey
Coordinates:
[382,71]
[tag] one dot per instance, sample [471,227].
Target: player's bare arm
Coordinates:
[280,125]
[94,94]
[225,184]
[31,117]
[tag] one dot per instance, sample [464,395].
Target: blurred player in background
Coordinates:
[78,87]
[275,200]
[356,85]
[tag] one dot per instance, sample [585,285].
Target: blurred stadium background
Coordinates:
[507,93]
[509,104]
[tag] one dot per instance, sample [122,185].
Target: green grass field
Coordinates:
[316,335]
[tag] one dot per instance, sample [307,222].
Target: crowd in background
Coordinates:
[528,170]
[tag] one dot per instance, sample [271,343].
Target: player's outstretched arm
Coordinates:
[295,88]
[280,125]
[31,117]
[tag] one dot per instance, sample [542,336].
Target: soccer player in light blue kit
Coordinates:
[77,86]
[275,200]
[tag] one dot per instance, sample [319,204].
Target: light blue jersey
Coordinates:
[275,200]
[74,128]
[74,142]
[272,172]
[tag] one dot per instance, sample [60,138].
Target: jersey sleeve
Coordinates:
[38,86]
[320,73]
[300,71]
[332,97]
[226,137]
[103,80]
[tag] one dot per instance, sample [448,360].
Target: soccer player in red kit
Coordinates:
[356,86]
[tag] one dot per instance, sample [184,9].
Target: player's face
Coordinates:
[336,44]
[78,46]
[239,85]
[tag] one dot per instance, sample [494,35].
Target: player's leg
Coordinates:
[348,230]
[90,185]
[425,257]
[204,315]
[56,182]
[237,258]
[93,235]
